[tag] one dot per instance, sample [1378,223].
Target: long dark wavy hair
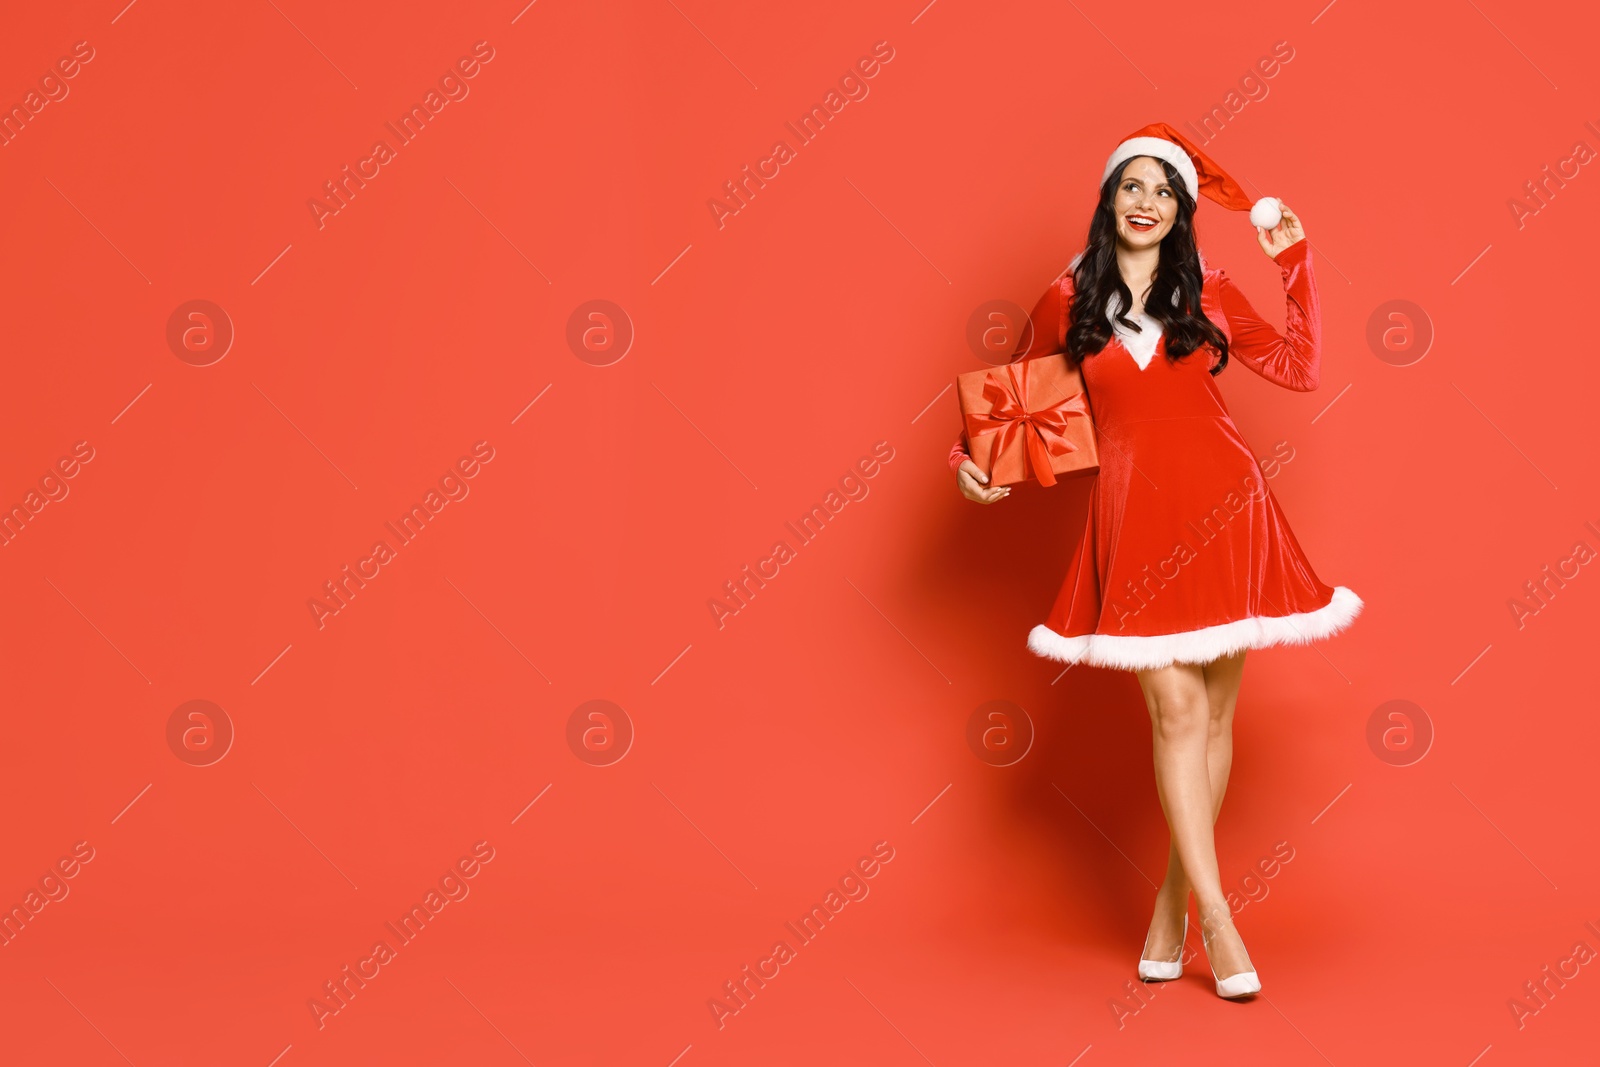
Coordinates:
[1174,299]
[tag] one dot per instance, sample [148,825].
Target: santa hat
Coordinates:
[1198,172]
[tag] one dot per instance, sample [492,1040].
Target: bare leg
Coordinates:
[1190,780]
[1222,678]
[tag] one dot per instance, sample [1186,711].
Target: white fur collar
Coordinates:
[1141,344]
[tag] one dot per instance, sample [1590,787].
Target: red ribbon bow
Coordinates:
[1043,431]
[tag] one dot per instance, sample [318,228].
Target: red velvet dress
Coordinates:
[1186,555]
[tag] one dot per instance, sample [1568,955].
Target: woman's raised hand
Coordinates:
[1285,233]
[973,484]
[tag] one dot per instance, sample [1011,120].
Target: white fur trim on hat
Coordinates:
[1161,148]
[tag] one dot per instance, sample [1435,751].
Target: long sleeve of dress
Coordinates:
[1048,335]
[1291,359]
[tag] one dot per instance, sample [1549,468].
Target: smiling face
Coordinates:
[1145,204]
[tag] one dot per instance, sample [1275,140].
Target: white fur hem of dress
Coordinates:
[1198,646]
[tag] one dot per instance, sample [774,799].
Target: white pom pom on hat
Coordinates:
[1199,172]
[1266,213]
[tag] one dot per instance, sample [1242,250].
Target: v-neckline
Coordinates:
[1148,324]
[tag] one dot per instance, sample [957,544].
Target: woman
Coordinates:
[1186,560]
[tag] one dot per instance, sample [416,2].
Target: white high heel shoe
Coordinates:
[1165,970]
[1243,984]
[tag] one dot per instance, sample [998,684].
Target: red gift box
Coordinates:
[1028,419]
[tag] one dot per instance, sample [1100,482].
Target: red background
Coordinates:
[770,354]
